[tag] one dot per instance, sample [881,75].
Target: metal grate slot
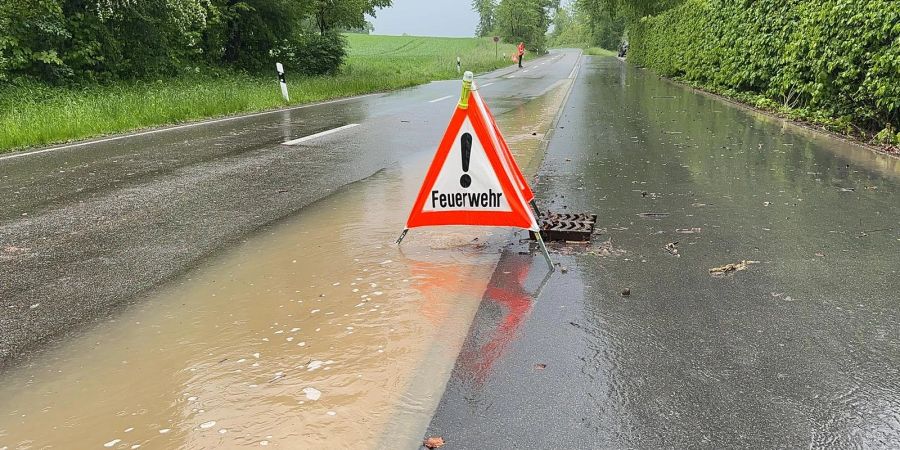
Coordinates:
[567,227]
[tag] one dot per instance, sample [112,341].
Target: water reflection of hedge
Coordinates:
[833,61]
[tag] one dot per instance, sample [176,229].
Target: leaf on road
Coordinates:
[434,442]
[729,268]
[672,248]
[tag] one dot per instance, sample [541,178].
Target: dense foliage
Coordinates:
[580,25]
[627,9]
[838,58]
[517,20]
[485,10]
[314,54]
[59,40]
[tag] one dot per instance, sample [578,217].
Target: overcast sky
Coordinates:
[427,18]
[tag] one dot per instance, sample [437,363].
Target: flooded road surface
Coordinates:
[76,220]
[316,332]
[306,333]
[798,348]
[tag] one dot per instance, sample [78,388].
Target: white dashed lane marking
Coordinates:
[439,99]
[318,135]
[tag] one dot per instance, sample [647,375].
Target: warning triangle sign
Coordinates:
[527,194]
[473,179]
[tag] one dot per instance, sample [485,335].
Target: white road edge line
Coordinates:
[575,70]
[318,135]
[180,127]
[488,84]
[439,99]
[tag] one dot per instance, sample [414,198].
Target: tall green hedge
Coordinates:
[837,58]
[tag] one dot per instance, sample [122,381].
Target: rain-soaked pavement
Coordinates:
[799,350]
[272,327]
[76,221]
[247,293]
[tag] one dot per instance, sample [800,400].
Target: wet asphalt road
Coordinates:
[87,228]
[800,350]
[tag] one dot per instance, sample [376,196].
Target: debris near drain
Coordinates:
[566,227]
[433,442]
[729,268]
[626,292]
[672,248]
[606,249]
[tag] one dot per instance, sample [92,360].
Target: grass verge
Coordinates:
[33,114]
[597,51]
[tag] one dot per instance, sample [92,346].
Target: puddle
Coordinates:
[315,332]
[300,334]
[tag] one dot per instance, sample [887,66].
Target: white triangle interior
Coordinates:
[483,194]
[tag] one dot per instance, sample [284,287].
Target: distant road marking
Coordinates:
[574,70]
[440,99]
[180,127]
[488,84]
[318,135]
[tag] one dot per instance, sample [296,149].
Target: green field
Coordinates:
[33,114]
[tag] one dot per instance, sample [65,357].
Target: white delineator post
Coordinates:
[282,81]
[458,65]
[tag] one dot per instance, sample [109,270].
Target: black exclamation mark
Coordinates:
[466,143]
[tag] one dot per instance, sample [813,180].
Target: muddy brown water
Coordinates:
[317,332]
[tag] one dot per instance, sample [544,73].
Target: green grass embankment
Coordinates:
[33,114]
[597,51]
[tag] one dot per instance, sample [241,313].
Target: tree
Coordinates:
[525,21]
[342,14]
[629,9]
[605,27]
[243,33]
[29,35]
[485,10]
[571,27]
[99,40]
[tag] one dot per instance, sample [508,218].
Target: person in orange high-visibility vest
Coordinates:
[521,53]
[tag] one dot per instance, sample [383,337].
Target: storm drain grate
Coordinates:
[567,227]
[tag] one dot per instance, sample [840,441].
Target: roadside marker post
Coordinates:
[458,65]
[282,81]
[473,178]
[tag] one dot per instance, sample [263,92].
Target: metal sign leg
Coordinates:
[536,210]
[546,253]
[402,235]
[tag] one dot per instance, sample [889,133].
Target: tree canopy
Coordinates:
[485,10]
[111,39]
[525,21]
